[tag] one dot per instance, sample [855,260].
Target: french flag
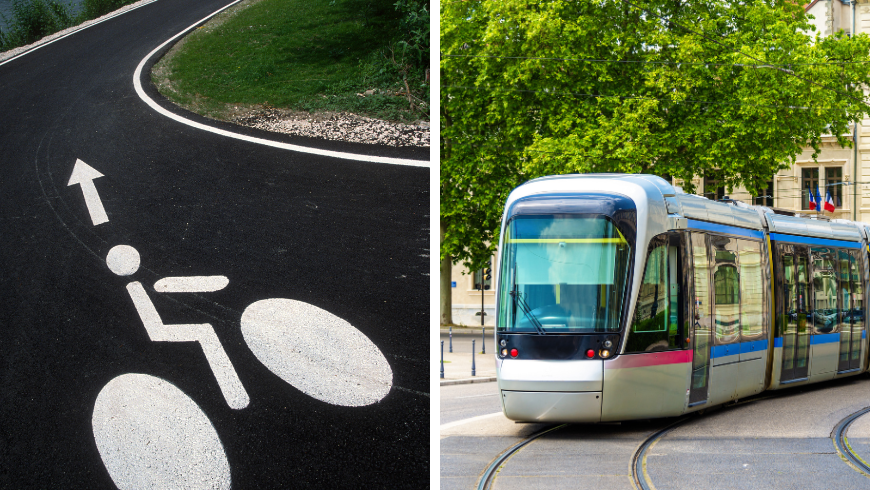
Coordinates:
[829,202]
[813,203]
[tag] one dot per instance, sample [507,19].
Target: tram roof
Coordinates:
[701,208]
[690,206]
[794,225]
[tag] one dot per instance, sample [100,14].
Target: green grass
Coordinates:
[306,55]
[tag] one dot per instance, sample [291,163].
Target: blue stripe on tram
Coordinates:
[818,339]
[814,241]
[827,338]
[731,230]
[741,348]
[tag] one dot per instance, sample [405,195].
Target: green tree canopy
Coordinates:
[653,86]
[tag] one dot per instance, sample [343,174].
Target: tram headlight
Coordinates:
[503,343]
[504,352]
[607,343]
[604,353]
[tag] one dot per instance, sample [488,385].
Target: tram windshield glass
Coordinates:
[562,274]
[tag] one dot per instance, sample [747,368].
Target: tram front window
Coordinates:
[562,274]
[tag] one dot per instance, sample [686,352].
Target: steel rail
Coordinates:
[496,464]
[639,475]
[638,463]
[841,443]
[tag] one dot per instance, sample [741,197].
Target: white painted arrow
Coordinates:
[84,175]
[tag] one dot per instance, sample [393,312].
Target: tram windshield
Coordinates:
[562,274]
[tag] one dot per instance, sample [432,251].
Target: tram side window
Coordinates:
[844,283]
[726,290]
[857,313]
[655,325]
[752,290]
[825,302]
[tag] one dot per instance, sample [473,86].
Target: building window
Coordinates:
[766,196]
[712,188]
[809,183]
[834,184]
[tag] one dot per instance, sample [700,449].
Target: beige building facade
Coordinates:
[842,171]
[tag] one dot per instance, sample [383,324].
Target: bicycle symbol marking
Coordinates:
[124,261]
[317,352]
[151,435]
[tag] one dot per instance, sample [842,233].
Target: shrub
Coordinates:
[34,19]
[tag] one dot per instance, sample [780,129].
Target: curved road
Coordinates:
[346,239]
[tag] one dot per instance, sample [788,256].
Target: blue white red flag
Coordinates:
[812,200]
[829,202]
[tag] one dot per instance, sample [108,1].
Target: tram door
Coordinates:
[703,321]
[796,329]
[852,312]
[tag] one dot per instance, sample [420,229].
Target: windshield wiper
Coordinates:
[518,299]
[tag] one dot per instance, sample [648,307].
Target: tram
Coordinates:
[620,297]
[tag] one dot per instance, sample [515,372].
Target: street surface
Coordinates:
[781,441]
[194,308]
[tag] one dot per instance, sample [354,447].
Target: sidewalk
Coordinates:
[457,365]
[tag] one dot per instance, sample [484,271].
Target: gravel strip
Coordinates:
[338,126]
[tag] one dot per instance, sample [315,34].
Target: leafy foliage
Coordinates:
[658,86]
[32,20]
[91,9]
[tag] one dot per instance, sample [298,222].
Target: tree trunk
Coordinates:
[446,290]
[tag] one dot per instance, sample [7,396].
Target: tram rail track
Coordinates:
[489,474]
[841,443]
[639,475]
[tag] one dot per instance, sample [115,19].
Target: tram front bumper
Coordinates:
[551,391]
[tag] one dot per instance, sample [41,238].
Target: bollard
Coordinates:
[472,358]
[483,340]
[451,340]
[442,359]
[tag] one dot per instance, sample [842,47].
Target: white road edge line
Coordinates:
[275,144]
[457,423]
[72,32]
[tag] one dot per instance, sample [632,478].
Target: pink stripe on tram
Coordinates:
[649,359]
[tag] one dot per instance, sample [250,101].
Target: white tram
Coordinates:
[620,298]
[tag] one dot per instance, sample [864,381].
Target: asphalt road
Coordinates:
[466,401]
[350,238]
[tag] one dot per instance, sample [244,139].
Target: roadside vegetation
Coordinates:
[34,19]
[368,57]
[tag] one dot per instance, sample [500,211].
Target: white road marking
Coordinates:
[137,75]
[123,260]
[84,175]
[317,352]
[229,382]
[457,423]
[191,284]
[151,435]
